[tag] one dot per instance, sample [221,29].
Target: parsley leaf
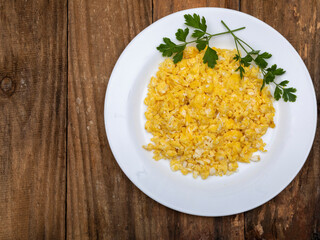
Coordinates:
[279,71]
[198,34]
[201,44]
[265,55]
[260,60]
[272,68]
[168,48]
[241,70]
[269,77]
[275,70]
[181,35]
[194,21]
[254,52]
[237,57]
[288,94]
[271,73]
[178,57]
[210,57]
[277,93]
[284,83]
[246,60]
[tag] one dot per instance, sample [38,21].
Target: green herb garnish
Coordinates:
[269,74]
[202,38]
[169,48]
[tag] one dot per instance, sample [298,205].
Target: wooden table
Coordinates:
[58,177]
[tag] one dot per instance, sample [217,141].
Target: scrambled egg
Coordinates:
[207,120]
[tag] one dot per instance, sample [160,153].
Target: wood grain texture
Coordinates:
[295,212]
[58,177]
[166,7]
[101,200]
[102,203]
[33,61]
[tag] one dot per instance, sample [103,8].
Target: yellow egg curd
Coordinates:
[204,120]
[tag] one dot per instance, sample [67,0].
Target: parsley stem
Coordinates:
[237,47]
[278,85]
[236,39]
[217,34]
[246,44]
[229,31]
[242,46]
[212,35]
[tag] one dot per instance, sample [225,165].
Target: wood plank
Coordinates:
[33,64]
[164,8]
[100,203]
[294,213]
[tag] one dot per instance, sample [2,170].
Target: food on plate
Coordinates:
[205,120]
[252,56]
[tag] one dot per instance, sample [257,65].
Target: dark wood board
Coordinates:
[33,90]
[58,177]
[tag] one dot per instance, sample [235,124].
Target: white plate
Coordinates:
[288,144]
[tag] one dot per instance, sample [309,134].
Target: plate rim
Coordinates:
[189,211]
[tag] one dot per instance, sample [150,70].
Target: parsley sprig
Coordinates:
[269,74]
[202,38]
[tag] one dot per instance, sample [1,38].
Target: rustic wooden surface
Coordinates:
[58,177]
[33,100]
